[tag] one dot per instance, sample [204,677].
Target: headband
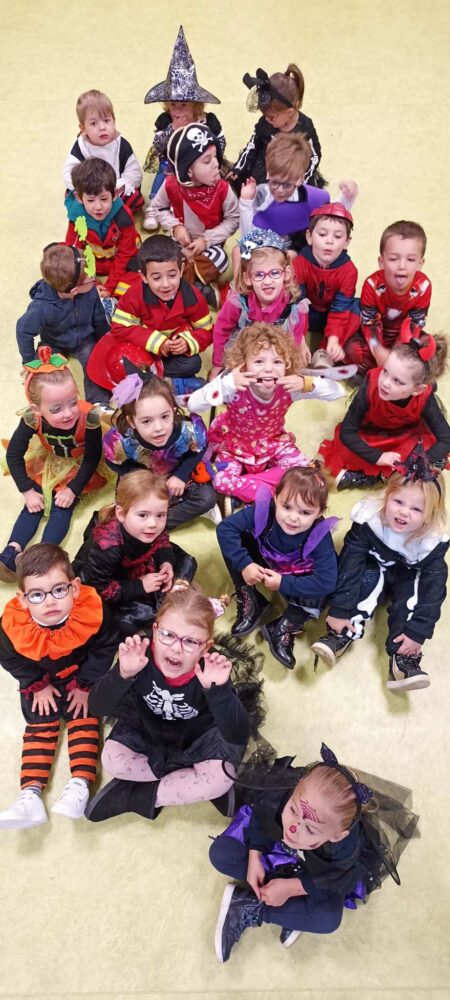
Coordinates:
[423,344]
[256,239]
[262,93]
[44,364]
[80,257]
[362,792]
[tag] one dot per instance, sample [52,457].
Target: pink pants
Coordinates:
[200,783]
[233,483]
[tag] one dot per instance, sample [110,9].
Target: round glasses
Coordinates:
[168,638]
[282,185]
[274,273]
[59,592]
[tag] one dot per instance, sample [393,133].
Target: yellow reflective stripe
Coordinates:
[154,342]
[121,288]
[204,324]
[102,251]
[191,342]
[126,319]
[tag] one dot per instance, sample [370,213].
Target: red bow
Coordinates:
[411,333]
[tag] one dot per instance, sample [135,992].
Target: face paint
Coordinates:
[308,812]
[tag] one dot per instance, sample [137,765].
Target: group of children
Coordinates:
[120,629]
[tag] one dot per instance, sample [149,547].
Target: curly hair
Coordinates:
[260,337]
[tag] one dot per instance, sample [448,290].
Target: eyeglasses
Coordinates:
[274,273]
[283,185]
[168,638]
[59,592]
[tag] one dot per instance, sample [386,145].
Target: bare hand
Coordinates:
[248,189]
[255,872]
[166,572]
[408,647]
[181,235]
[389,458]
[334,349]
[44,701]
[216,670]
[165,348]
[293,383]
[242,379]
[215,371]
[272,579]
[34,501]
[339,624]
[103,292]
[279,890]
[132,656]
[65,498]
[175,486]
[253,574]
[305,354]
[349,190]
[196,247]
[152,582]
[380,354]
[77,703]
[178,345]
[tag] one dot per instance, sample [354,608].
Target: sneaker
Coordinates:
[8,564]
[331,646]
[321,359]
[288,937]
[213,514]
[405,673]
[240,908]
[26,811]
[150,221]
[73,799]
[350,479]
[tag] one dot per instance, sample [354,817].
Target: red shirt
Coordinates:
[143,319]
[383,310]
[121,243]
[329,289]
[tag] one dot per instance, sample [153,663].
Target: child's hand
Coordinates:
[196,247]
[44,701]
[389,458]
[165,348]
[216,670]
[305,354]
[379,353]
[272,579]
[215,371]
[334,349]
[349,190]
[278,890]
[166,572]
[103,292]
[178,345]
[175,486]
[65,498]
[339,624]
[77,703]
[242,379]
[408,646]
[253,574]
[255,872]
[248,189]
[181,235]
[152,582]
[132,656]
[293,383]
[33,500]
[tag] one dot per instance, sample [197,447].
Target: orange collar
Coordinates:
[36,641]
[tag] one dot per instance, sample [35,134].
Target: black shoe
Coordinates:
[250,607]
[240,908]
[211,293]
[331,646]
[280,635]
[288,937]
[8,564]
[120,797]
[226,804]
[353,480]
[405,673]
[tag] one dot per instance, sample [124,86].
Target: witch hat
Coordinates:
[181,82]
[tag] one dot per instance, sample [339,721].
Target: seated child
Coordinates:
[279,97]
[179,719]
[127,554]
[98,137]
[249,440]
[399,290]
[65,435]
[306,847]
[65,312]
[56,640]
[327,277]
[397,546]
[161,314]
[264,291]
[150,431]
[284,544]
[100,220]
[394,407]
[183,101]
[197,207]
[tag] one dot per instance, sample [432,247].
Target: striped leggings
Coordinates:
[39,747]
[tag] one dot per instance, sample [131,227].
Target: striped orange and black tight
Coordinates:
[39,747]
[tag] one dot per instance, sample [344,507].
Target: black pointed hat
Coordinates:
[181,82]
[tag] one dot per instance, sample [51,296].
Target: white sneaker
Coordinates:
[150,218]
[73,799]
[288,938]
[213,514]
[26,811]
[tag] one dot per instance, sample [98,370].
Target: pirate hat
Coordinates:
[185,146]
[181,82]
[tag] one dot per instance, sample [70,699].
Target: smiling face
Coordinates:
[98,205]
[268,366]
[396,379]
[327,240]
[205,170]
[404,510]
[163,278]
[146,519]
[400,260]
[58,404]
[173,660]
[153,419]
[306,821]
[98,129]
[268,276]
[51,610]
[293,514]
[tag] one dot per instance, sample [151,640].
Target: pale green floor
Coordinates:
[128,909]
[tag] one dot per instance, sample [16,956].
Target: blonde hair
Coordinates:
[288,154]
[261,336]
[133,488]
[38,382]
[407,231]
[58,267]
[340,797]
[434,514]
[290,85]
[192,604]
[262,254]
[425,371]
[93,100]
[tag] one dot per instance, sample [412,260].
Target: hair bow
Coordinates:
[362,792]
[262,93]
[422,343]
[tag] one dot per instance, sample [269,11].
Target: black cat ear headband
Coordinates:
[262,92]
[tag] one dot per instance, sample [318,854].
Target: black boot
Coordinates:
[280,635]
[352,479]
[120,797]
[250,608]
[226,804]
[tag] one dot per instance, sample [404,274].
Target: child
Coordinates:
[151,431]
[393,408]
[62,463]
[327,277]
[127,554]
[183,101]
[162,315]
[279,97]
[249,439]
[265,291]
[179,718]
[307,847]
[98,137]
[399,290]
[397,545]
[100,220]
[284,544]
[197,207]
[65,312]
[56,640]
